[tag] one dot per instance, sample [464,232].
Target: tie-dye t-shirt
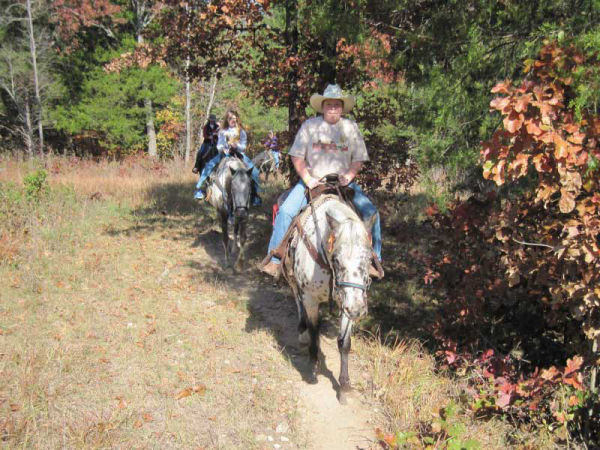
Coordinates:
[329,148]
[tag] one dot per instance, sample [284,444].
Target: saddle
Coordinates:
[202,159]
[316,197]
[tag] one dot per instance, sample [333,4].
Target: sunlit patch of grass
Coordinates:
[403,377]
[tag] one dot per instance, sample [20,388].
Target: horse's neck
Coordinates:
[335,208]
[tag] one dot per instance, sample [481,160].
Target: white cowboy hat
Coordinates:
[332,92]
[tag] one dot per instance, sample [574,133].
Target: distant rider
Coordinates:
[272,145]
[232,141]
[210,134]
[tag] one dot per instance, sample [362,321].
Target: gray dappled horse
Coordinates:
[265,163]
[340,234]
[229,192]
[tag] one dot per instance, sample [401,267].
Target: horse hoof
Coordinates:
[342,398]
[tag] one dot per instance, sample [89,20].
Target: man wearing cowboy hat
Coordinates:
[327,144]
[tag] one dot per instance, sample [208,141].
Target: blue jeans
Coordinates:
[296,200]
[276,157]
[210,166]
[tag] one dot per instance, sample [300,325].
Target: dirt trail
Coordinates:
[325,422]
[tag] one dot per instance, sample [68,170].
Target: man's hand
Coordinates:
[345,179]
[311,182]
[194,170]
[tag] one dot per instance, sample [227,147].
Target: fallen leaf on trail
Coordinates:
[138,423]
[14,407]
[147,417]
[185,393]
[198,389]
[102,427]
[122,403]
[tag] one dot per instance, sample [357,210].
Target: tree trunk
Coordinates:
[209,105]
[211,98]
[188,113]
[188,93]
[291,41]
[150,130]
[36,83]
[28,129]
[327,65]
[152,147]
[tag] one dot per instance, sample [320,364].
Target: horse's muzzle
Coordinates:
[355,307]
[241,213]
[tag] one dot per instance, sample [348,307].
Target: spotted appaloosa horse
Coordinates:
[341,236]
[229,192]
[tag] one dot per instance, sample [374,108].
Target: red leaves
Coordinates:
[499,103]
[513,121]
[503,87]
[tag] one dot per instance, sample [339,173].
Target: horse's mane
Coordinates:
[351,229]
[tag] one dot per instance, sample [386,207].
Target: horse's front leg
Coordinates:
[311,311]
[344,348]
[240,238]
[225,235]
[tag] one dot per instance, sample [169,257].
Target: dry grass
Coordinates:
[117,330]
[109,319]
[414,396]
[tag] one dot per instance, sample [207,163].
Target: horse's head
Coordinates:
[241,189]
[349,250]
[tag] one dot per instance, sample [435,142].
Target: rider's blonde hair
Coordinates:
[234,139]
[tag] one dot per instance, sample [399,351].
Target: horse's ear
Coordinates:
[232,170]
[249,171]
[332,221]
[370,222]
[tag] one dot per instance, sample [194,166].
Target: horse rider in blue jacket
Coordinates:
[232,140]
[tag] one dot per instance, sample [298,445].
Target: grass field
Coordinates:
[119,328]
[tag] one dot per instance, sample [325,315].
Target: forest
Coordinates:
[482,122]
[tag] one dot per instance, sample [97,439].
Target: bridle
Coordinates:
[237,207]
[336,285]
[341,283]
